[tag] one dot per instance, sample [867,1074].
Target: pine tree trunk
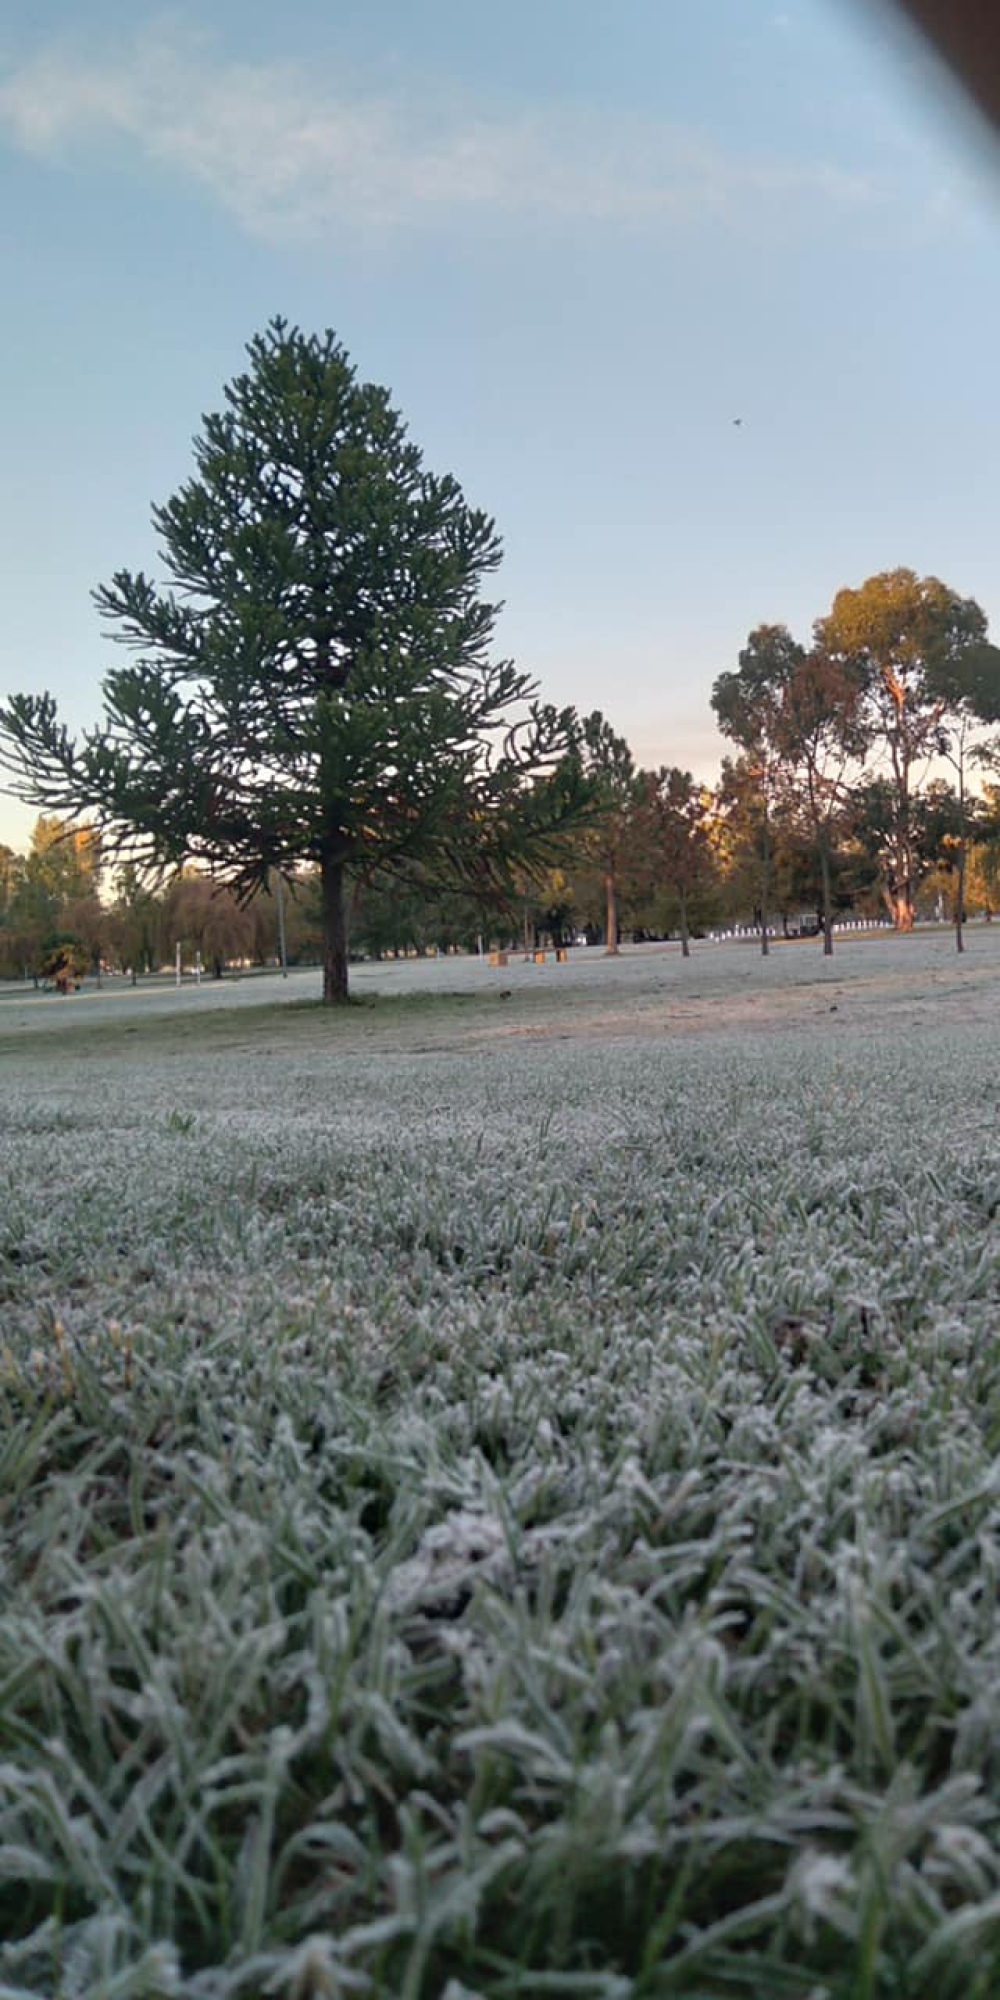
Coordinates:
[334,934]
[824,858]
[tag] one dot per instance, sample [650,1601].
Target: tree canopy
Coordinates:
[796,718]
[606,760]
[924,662]
[313,681]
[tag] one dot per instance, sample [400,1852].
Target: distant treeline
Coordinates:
[673,859]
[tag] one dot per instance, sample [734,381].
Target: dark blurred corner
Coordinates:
[957,48]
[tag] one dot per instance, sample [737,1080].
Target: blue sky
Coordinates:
[576,238]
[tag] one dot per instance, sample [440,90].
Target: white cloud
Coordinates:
[286,150]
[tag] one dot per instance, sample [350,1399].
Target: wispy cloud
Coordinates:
[287,151]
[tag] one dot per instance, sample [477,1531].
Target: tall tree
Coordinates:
[819,734]
[11,865]
[64,859]
[968,684]
[54,895]
[136,918]
[914,642]
[743,841]
[747,705]
[610,784]
[983,857]
[206,918]
[670,832]
[314,682]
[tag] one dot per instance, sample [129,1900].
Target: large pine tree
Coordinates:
[313,681]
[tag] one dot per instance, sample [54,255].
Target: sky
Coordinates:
[577,240]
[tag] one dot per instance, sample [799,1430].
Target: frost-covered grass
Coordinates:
[500,1495]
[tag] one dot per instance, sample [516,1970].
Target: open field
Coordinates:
[500,1488]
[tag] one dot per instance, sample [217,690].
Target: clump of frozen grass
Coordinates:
[544,1549]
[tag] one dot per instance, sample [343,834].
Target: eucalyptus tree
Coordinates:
[747,706]
[820,741]
[927,676]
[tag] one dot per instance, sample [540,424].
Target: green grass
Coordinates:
[370,1019]
[492,1514]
